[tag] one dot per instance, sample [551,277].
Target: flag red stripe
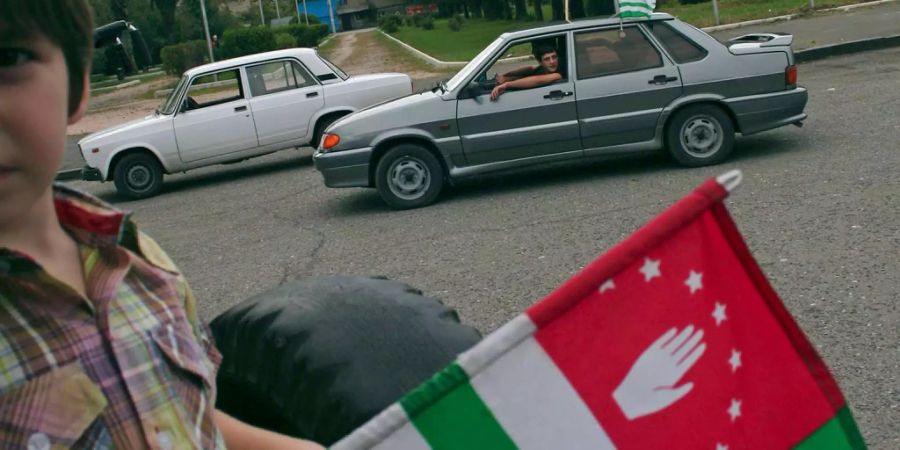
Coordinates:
[649,236]
[804,348]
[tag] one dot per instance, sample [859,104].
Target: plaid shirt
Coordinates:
[130,366]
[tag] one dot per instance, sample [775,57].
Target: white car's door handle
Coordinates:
[312,94]
[240,109]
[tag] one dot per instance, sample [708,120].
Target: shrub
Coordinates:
[408,21]
[428,22]
[390,23]
[454,24]
[284,40]
[180,57]
[247,41]
[306,36]
[313,20]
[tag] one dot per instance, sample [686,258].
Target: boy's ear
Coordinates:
[82,105]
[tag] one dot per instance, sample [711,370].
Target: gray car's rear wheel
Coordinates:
[700,135]
[138,175]
[409,176]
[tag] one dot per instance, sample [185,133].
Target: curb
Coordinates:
[862,45]
[69,174]
[425,56]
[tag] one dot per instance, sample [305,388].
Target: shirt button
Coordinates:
[38,441]
[165,440]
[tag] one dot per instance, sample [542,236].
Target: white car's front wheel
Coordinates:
[137,176]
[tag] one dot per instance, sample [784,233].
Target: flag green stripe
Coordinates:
[448,413]
[839,433]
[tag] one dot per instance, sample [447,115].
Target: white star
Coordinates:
[721,446]
[650,269]
[719,313]
[607,285]
[735,360]
[734,410]
[694,281]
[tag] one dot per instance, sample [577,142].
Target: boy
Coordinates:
[100,343]
[546,72]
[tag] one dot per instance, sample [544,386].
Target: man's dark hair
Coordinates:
[542,50]
[68,24]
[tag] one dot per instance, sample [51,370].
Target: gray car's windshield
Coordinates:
[473,64]
[168,106]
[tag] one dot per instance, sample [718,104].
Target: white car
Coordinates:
[232,110]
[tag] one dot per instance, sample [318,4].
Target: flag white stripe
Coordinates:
[535,404]
[496,344]
[381,428]
[406,438]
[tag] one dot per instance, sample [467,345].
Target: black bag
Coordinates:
[317,358]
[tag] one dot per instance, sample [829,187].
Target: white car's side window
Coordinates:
[215,89]
[277,76]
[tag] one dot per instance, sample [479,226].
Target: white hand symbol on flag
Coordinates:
[650,384]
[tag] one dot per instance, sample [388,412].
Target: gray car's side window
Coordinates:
[277,76]
[682,49]
[607,52]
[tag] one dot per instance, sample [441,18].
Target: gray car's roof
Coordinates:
[577,24]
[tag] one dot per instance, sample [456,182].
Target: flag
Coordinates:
[672,339]
[636,8]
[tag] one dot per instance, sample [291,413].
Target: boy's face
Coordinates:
[33,118]
[550,61]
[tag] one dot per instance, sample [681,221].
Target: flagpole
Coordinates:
[305,13]
[567,11]
[730,180]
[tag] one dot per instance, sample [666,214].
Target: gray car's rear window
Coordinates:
[682,49]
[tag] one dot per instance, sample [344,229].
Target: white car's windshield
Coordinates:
[473,64]
[168,106]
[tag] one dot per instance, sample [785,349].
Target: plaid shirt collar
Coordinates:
[90,221]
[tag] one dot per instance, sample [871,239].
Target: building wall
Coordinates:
[319,8]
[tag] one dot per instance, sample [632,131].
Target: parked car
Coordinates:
[232,110]
[651,84]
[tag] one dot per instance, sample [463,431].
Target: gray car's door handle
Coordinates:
[662,79]
[240,109]
[556,95]
[312,94]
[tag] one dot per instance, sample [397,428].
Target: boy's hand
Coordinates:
[499,89]
[239,435]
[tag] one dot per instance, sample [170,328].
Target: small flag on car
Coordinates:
[672,339]
[636,8]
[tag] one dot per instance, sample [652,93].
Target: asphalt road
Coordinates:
[818,208]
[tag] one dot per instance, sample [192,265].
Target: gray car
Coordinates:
[640,86]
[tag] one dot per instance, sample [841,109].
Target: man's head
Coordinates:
[547,57]
[45,54]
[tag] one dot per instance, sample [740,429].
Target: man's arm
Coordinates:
[525,83]
[239,435]
[514,74]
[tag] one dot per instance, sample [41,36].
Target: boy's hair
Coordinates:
[66,23]
[542,50]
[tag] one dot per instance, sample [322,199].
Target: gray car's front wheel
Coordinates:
[409,176]
[700,135]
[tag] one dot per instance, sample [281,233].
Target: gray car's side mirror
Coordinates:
[473,89]
[184,106]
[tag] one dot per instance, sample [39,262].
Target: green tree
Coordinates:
[539,10]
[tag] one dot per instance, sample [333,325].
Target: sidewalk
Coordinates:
[829,28]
